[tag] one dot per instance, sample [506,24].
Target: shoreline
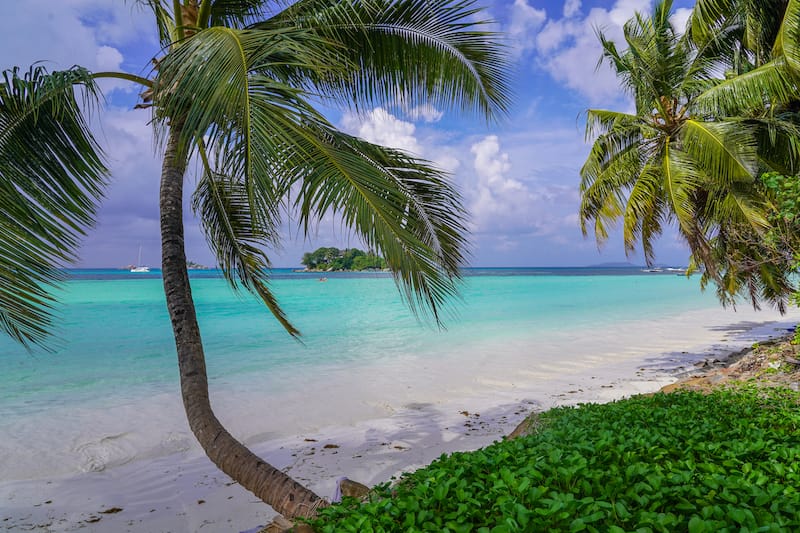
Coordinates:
[185,492]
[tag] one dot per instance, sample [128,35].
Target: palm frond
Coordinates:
[726,151]
[415,51]
[679,186]
[779,142]
[209,80]
[235,13]
[771,83]
[600,121]
[749,265]
[755,24]
[237,237]
[739,207]
[604,181]
[401,207]
[787,42]
[707,17]
[51,178]
[644,212]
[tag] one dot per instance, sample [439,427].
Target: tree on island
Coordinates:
[233,89]
[332,259]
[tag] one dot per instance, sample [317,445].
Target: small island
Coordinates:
[336,260]
[191,265]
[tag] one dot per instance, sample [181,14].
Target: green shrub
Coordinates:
[728,461]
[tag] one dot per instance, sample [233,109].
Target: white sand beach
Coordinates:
[372,424]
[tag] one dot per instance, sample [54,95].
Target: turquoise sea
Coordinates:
[114,332]
[112,370]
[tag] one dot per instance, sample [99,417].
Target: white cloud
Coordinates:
[129,212]
[108,58]
[425,112]
[381,127]
[509,206]
[555,34]
[69,32]
[490,164]
[525,21]
[569,49]
[510,209]
[680,18]
[571,8]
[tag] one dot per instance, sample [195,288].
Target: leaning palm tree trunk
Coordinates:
[274,487]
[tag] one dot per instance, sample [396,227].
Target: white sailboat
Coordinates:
[139,268]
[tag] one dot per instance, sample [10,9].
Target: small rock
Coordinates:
[353,489]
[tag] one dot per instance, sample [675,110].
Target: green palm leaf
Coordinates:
[401,207]
[604,181]
[642,218]
[725,150]
[233,13]
[772,82]
[600,121]
[679,187]
[236,237]
[787,42]
[755,24]
[779,143]
[415,50]
[51,177]
[207,80]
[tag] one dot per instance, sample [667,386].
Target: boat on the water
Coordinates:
[139,268]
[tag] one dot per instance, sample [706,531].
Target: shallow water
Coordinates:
[108,394]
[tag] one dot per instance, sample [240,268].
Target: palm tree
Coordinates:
[760,44]
[672,161]
[234,88]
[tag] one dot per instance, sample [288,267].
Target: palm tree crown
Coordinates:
[674,161]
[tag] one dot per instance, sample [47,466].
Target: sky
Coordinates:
[519,177]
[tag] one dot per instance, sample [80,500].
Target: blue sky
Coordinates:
[519,178]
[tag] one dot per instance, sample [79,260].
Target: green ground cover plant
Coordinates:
[726,461]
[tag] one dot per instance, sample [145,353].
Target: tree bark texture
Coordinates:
[274,487]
